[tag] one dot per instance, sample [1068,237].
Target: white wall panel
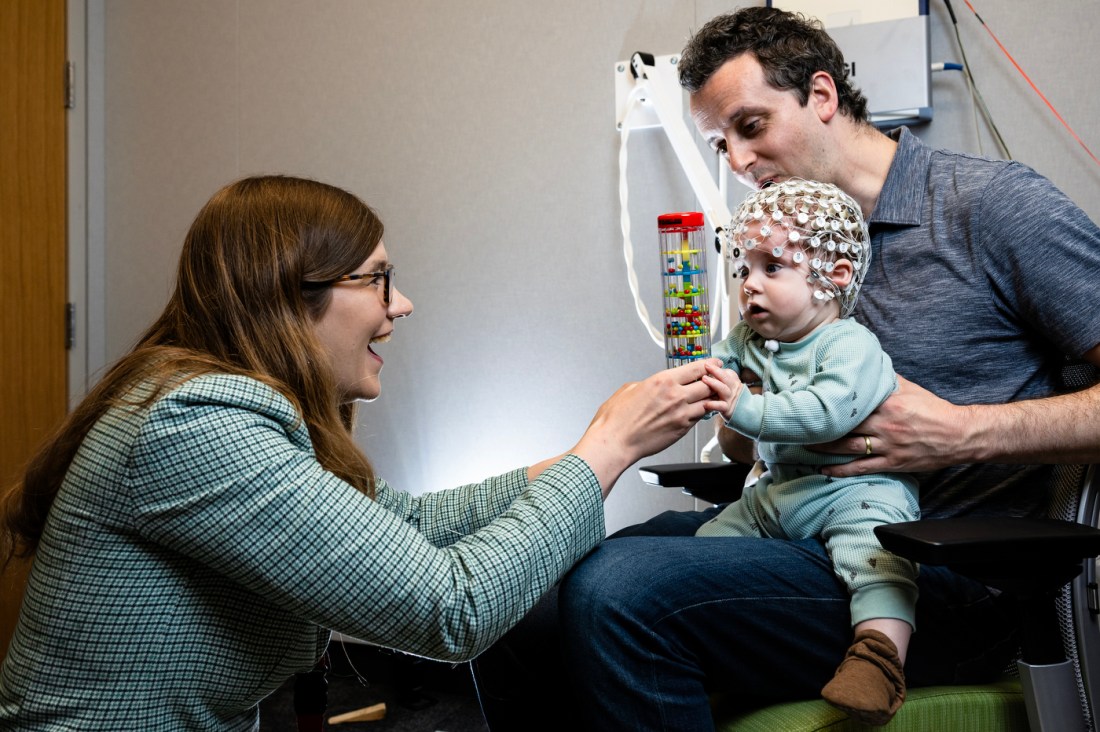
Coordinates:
[171,138]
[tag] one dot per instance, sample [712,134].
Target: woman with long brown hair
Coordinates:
[204,518]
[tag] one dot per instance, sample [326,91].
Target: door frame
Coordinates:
[86,173]
[76,174]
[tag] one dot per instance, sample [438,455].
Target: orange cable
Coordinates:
[1029,81]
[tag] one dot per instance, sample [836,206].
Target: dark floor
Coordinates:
[420,695]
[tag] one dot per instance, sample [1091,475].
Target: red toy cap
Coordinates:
[680,220]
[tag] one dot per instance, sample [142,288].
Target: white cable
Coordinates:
[705,455]
[624,218]
[720,304]
[974,110]
[719,309]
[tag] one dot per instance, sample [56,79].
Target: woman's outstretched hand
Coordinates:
[644,417]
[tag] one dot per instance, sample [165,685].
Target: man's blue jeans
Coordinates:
[656,619]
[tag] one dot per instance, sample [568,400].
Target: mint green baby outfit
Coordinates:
[815,390]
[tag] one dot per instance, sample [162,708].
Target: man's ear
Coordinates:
[823,96]
[842,273]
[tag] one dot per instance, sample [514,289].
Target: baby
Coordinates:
[801,250]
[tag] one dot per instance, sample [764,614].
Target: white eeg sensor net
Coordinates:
[821,224]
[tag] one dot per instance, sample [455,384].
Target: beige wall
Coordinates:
[483,132]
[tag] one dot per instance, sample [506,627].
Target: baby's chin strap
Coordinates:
[771,346]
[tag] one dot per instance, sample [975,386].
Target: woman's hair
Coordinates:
[789,48]
[239,307]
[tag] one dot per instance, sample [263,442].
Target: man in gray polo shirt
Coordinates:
[983,279]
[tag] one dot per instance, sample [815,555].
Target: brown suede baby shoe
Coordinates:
[869,685]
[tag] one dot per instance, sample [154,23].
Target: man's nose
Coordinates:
[740,157]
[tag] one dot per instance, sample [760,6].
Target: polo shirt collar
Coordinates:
[902,197]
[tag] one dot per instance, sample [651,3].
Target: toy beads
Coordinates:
[684,273]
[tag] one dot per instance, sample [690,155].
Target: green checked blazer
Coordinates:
[198,554]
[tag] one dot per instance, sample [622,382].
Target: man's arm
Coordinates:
[914,430]
[735,446]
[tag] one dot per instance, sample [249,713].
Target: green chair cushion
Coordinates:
[996,706]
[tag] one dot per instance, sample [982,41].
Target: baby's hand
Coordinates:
[725,387]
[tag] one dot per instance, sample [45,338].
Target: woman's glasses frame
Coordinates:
[386,275]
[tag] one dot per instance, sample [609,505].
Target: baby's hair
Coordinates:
[822,224]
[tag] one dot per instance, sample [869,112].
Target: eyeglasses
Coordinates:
[371,278]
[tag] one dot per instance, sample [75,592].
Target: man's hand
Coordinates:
[913,430]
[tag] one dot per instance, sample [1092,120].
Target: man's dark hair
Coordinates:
[789,47]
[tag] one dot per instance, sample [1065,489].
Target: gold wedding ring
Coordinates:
[867,440]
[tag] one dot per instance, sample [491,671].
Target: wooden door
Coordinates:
[33,360]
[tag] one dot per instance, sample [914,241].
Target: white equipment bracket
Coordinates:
[648,94]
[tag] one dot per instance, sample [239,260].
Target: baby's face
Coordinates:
[775,295]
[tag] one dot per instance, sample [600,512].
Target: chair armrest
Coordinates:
[1028,559]
[712,482]
[999,551]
